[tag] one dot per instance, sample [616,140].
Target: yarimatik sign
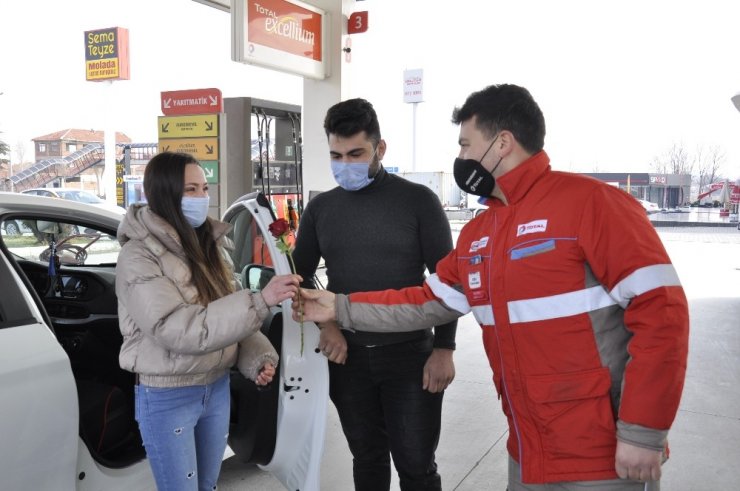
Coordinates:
[286,35]
[106,54]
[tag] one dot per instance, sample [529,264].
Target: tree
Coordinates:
[709,165]
[20,151]
[675,161]
[4,148]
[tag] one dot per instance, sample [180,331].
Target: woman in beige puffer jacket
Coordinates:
[182,323]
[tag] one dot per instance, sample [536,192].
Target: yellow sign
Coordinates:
[191,126]
[200,148]
[106,54]
[102,69]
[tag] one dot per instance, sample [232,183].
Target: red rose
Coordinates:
[279,227]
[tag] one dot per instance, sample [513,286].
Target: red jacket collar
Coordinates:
[516,183]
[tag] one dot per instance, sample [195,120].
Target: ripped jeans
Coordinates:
[184,430]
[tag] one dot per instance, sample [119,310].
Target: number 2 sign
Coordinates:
[357,23]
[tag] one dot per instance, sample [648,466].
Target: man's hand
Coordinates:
[332,343]
[633,462]
[317,305]
[281,287]
[439,370]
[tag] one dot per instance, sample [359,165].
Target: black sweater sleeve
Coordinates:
[307,254]
[436,240]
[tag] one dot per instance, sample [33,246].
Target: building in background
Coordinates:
[66,142]
[666,190]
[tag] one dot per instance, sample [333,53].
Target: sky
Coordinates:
[620,83]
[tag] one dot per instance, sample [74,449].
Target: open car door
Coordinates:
[280,427]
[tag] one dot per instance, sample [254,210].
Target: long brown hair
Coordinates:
[164,180]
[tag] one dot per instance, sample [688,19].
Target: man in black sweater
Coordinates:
[378,231]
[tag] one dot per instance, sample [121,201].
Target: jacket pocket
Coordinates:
[573,413]
[532,249]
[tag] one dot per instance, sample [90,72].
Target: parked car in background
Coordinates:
[63,390]
[649,206]
[77,195]
[14,227]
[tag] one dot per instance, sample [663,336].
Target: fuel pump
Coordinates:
[277,166]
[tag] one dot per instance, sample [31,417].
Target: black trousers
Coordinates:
[384,411]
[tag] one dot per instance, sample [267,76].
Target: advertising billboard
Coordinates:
[106,54]
[286,35]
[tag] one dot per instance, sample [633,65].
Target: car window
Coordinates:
[73,244]
[80,196]
[85,197]
[250,254]
[14,308]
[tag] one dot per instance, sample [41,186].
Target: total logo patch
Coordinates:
[531,227]
[478,244]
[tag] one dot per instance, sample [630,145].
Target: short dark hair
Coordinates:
[347,118]
[505,107]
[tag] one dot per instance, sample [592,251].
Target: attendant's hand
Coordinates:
[439,370]
[317,305]
[638,463]
[332,343]
[281,287]
[266,373]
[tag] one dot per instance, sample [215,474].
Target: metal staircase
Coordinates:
[45,171]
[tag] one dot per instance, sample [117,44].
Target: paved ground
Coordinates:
[704,440]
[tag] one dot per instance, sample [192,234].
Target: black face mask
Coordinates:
[472,177]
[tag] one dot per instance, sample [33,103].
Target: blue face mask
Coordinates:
[352,176]
[195,210]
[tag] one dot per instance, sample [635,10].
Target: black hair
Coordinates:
[347,118]
[505,107]
[164,182]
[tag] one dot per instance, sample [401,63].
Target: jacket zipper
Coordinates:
[500,354]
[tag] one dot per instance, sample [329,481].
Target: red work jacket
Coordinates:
[583,317]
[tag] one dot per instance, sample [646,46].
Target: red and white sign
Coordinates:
[413,85]
[285,35]
[357,23]
[195,101]
[285,26]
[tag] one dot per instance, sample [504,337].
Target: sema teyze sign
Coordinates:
[195,101]
[286,35]
[106,54]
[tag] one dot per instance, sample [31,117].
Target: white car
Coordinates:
[68,414]
[649,206]
[77,195]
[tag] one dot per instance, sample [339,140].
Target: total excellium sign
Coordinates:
[106,54]
[286,35]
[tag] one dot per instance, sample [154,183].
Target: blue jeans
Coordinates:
[384,411]
[184,431]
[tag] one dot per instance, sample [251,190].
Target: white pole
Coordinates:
[10,166]
[413,139]
[109,141]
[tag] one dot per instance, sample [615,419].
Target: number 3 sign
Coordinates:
[357,23]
